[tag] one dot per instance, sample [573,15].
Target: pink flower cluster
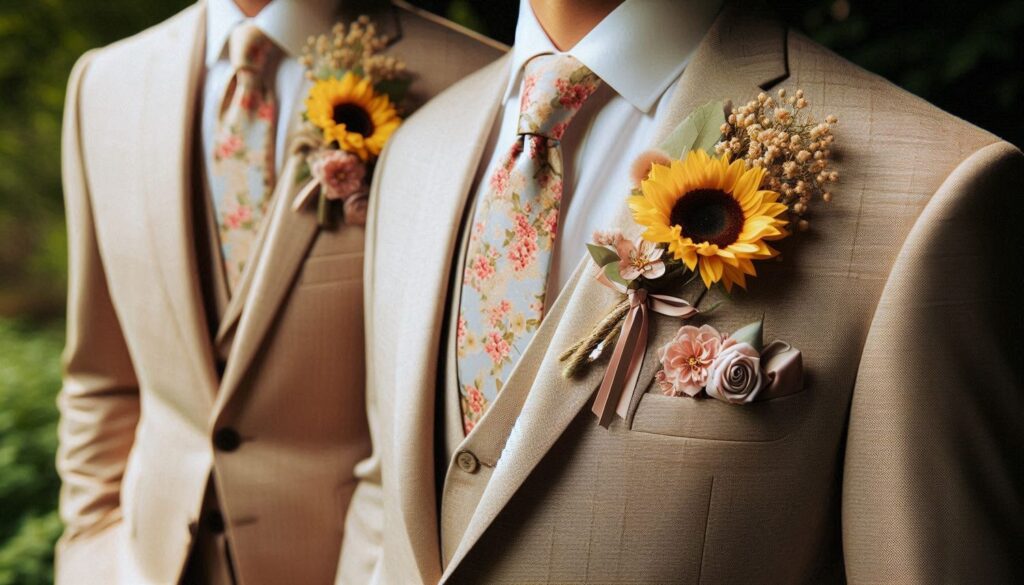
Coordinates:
[702,359]
[496,347]
[496,314]
[339,173]
[573,95]
[523,249]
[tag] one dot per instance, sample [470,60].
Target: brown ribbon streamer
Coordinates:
[632,345]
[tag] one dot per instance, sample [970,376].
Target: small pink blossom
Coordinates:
[239,216]
[522,253]
[523,229]
[340,173]
[266,112]
[229,146]
[640,258]
[355,209]
[497,313]
[686,360]
[475,399]
[550,222]
[556,191]
[528,85]
[496,347]
[573,95]
[558,130]
[461,330]
[482,267]
[499,180]
[250,101]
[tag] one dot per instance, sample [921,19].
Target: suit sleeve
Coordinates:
[99,400]
[364,523]
[933,488]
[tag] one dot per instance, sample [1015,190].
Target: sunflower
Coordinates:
[350,113]
[711,214]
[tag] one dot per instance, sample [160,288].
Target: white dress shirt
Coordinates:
[639,50]
[288,23]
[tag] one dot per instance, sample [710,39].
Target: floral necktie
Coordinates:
[513,232]
[242,174]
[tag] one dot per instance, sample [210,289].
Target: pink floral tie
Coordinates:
[512,235]
[242,176]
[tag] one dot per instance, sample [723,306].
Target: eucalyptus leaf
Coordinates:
[612,272]
[752,334]
[700,130]
[395,89]
[602,256]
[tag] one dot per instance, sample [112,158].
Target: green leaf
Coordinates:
[612,272]
[700,130]
[602,256]
[396,89]
[752,334]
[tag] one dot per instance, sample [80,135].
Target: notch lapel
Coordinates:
[171,95]
[740,56]
[452,160]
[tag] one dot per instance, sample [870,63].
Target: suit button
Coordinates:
[467,462]
[227,439]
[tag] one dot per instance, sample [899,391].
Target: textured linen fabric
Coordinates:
[143,397]
[899,460]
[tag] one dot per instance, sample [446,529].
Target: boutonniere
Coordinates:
[353,107]
[700,362]
[710,200]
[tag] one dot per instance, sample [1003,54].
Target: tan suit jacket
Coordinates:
[898,462]
[146,415]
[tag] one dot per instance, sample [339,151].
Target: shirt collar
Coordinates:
[639,49]
[289,23]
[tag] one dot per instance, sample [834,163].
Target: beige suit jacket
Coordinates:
[145,414]
[900,460]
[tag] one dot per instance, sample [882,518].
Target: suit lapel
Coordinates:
[738,57]
[451,161]
[171,96]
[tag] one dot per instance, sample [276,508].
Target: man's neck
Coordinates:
[568,21]
[251,8]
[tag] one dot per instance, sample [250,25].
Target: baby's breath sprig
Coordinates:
[356,48]
[795,150]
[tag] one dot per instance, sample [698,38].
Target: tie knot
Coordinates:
[249,48]
[555,87]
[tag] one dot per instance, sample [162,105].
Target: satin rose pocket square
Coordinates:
[701,362]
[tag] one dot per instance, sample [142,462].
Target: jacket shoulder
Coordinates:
[834,81]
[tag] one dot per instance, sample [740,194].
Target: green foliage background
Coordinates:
[964,57]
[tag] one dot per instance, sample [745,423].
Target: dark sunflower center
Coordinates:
[355,119]
[709,215]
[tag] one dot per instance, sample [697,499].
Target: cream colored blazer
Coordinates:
[899,461]
[145,415]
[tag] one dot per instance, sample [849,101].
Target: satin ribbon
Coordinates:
[624,366]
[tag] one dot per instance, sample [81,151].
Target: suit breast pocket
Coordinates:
[710,419]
